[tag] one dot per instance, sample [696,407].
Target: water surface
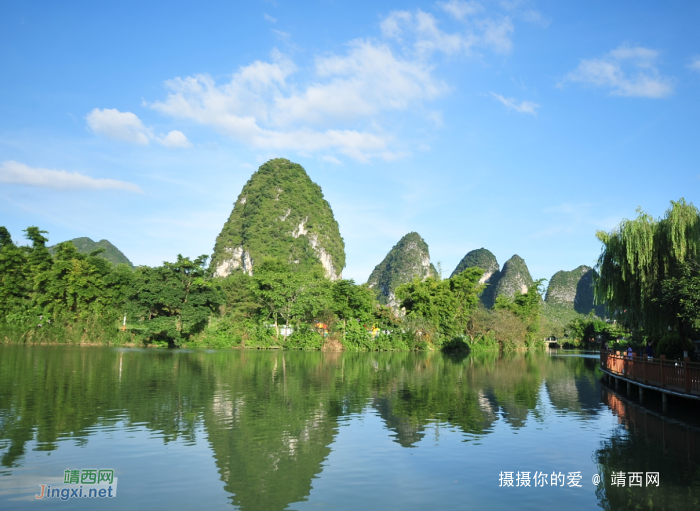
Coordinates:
[264,430]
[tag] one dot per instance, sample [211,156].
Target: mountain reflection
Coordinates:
[271,418]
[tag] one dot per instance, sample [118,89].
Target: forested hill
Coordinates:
[515,278]
[280,213]
[408,259]
[574,290]
[87,246]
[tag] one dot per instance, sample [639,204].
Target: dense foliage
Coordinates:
[76,297]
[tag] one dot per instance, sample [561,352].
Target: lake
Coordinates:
[274,430]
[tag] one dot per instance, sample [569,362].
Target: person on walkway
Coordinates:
[650,351]
[629,352]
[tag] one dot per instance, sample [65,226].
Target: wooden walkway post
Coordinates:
[663,380]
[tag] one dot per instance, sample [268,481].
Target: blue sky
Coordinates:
[519,126]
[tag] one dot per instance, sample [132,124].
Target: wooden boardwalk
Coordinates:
[679,378]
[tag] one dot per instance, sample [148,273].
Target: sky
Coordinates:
[520,126]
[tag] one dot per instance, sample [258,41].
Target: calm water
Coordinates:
[292,430]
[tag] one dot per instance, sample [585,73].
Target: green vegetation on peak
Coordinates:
[280,213]
[87,246]
[408,259]
[481,258]
[515,278]
[574,290]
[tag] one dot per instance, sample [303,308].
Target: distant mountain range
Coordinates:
[410,258]
[86,246]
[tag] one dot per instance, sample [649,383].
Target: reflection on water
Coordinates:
[650,441]
[279,425]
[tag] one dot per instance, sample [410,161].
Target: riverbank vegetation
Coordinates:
[71,297]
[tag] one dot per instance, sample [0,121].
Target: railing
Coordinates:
[679,376]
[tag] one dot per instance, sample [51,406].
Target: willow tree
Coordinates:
[638,256]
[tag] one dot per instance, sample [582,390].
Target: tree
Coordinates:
[77,286]
[445,304]
[239,300]
[526,307]
[15,285]
[351,301]
[288,293]
[637,256]
[682,294]
[174,301]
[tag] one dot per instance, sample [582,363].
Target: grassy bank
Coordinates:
[221,334]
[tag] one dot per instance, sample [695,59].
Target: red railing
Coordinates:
[677,375]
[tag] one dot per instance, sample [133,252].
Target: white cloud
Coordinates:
[263,106]
[19,173]
[336,104]
[269,18]
[695,64]
[520,9]
[124,126]
[524,107]
[535,17]
[331,159]
[428,37]
[282,36]
[174,139]
[127,127]
[460,9]
[627,71]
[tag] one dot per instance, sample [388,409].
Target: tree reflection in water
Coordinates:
[271,418]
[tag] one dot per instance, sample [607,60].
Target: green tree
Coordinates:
[682,294]
[14,279]
[77,286]
[637,257]
[526,307]
[351,301]
[174,301]
[239,301]
[445,304]
[286,293]
[38,258]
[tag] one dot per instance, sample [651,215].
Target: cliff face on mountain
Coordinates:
[515,277]
[481,258]
[408,259]
[280,213]
[86,245]
[574,290]
[484,259]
